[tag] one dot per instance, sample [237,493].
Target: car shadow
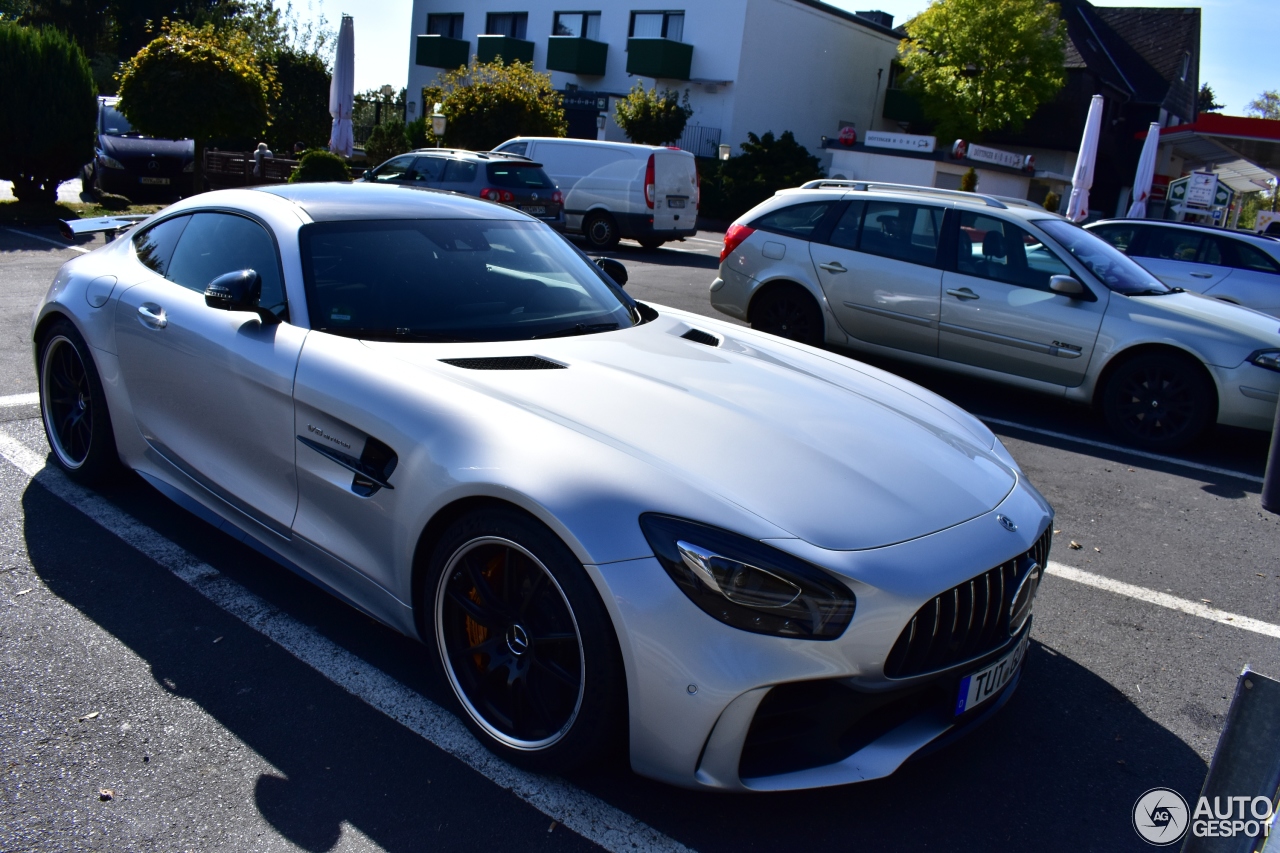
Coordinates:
[1058,768]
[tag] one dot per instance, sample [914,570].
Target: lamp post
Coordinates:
[438,123]
[725,151]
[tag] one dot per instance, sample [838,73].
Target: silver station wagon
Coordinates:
[1001,289]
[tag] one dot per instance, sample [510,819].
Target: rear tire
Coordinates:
[1159,400]
[651,243]
[73,407]
[788,311]
[524,642]
[600,231]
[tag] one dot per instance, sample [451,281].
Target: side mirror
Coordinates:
[238,291]
[614,269]
[1066,285]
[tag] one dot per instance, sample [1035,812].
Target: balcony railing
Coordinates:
[577,55]
[659,58]
[505,47]
[442,52]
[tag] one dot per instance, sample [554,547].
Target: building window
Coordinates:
[577,24]
[1186,66]
[510,24]
[449,26]
[657,25]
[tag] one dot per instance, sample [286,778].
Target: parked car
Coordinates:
[515,181]
[1233,266]
[1002,290]
[616,189]
[128,163]
[451,418]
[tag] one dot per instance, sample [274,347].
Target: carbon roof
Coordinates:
[336,201]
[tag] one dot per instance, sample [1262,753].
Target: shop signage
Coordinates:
[995,156]
[901,141]
[1201,189]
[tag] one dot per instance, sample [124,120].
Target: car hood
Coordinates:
[1229,331]
[145,146]
[838,454]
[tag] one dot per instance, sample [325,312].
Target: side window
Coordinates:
[217,243]
[428,169]
[1123,237]
[154,246]
[459,172]
[905,232]
[515,148]
[799,220]
[1173,244]
[393,170]
[1246,257]
[845,234]
[993,249]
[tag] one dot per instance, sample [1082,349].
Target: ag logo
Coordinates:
[1160,817]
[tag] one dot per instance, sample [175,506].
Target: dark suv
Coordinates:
[506,178]
[127,163]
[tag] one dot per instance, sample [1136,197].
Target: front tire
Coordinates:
[788,311]
[524,642]
[73,407]
[600,231]
[1158,400]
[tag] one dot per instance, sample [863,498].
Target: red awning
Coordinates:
[1244,152]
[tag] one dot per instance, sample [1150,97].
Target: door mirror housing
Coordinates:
[238,291]
[1066,285]
[614,269]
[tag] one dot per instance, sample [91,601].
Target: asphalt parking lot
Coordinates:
[226,704]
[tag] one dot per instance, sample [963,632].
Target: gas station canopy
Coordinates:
[1244,152]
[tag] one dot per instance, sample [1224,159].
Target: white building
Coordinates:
[748,65]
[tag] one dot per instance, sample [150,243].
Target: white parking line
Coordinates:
[576,809]
[1144,454]
[57,243]
[705,240]
[1194,608]
[14,400]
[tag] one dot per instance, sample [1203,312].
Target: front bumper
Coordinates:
[1247,395]
[695,686]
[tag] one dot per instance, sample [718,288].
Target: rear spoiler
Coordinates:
[72,228]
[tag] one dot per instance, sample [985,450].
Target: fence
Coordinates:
[235,169]
[700,141]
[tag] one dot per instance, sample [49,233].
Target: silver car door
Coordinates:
[998,311]
[1255,277]
[1181,257]
[880,274]
[212,390]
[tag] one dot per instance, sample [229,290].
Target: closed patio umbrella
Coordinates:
[1146,172]
[342,89]
[1082,178]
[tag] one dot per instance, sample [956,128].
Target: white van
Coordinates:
[616,189]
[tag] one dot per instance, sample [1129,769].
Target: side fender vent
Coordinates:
[700,337]
[511,362]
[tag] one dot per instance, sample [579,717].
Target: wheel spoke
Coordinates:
[476,612]
[556,671]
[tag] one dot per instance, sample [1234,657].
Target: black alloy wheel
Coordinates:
[600,231]
[1159,400]
[73,406]
[790,312]
[525,642]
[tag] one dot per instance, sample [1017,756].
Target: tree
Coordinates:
[199,84]
[765,166]
[490,102]
[1207,100]
[650,118]
[385,142]
[300,109]
[1266,105]
[979,66]
[47,132]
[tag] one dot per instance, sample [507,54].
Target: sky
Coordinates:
[1236,38]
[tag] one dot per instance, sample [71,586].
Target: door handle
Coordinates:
[1202,275]
[153,316]
[834,266]
[963,293]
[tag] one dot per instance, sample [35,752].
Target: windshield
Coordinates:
[1112,267]
[114,123]
[453,280]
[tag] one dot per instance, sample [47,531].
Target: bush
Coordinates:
[419,134]
[385,142]
[490,102]
[46,134]
[766,165]
[969,181]
[318,167]
[300,110]
[649,118]
[1051,201]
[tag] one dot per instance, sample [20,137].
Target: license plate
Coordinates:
[158,181]
[535,211]
[980,686]
[675,202]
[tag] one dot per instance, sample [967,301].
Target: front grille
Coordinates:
[700,337]
[512,362]
[964,622]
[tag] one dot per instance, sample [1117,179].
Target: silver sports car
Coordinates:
[758,565]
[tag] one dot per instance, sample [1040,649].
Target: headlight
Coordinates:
[747,584]
[1268,358]
[190,167]
[109,162]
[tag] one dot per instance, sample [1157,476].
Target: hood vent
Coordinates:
[700,337]
[509,362]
